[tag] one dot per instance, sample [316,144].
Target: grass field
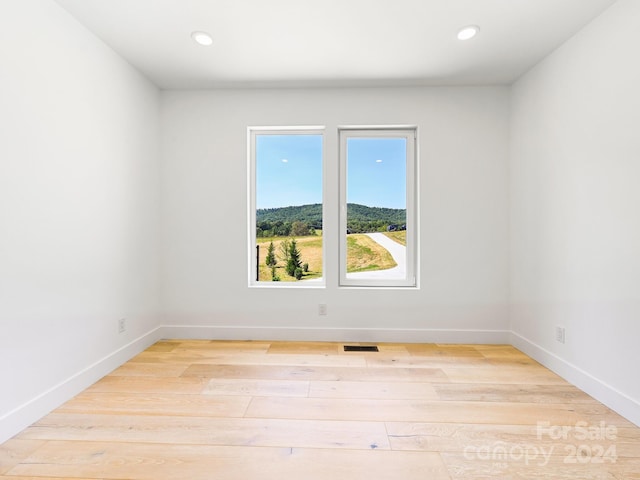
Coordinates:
[400,237]
[310,251]
[363,254]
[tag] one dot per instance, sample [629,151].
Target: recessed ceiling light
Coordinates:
[202,38]
[468,32]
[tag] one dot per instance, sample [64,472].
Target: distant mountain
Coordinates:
[362,213]
[309,214]
[360,217]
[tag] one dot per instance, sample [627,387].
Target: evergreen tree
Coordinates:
[271,256]
[294,262]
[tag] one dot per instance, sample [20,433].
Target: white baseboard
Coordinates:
[24,415]
[601,391]
[335,334]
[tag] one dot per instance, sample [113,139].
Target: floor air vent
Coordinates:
[360,348]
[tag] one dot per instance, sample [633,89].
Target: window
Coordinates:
[377,206]
[286,208]
[376,222]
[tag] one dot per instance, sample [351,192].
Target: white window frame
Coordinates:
[252,132]
[409,132]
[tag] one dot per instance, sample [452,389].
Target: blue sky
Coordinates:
[377,172]
[289,171]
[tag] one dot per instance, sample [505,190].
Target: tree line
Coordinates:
[285,229]
[304,220]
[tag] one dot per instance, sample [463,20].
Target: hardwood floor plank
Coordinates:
[503,374]
[507,361]
[163,346]
[209,431]
[317,348]
[13,451]
[178,385]
[139,369]
[195,462]
[230,358]
[212,347]
[499,351]
[490,354]
[260,388]
[156,404]
[316,373]
[20,477]
[240,346]
[439,350]
[424,361]
[428,411]
[373,390]
[456,437]
[461,392]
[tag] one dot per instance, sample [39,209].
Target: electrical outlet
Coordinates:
[322,309]
[122,325]
[560,334]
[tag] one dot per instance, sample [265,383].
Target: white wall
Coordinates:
[80,190]
[575,218]
[78,209]
[463,215]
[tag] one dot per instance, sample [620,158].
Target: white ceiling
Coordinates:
[333,42]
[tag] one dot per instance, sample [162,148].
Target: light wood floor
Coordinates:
[194,410]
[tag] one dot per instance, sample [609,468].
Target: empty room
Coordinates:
[320,240]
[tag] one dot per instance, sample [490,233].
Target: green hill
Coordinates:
[309,214]
[360,218]
[362,213]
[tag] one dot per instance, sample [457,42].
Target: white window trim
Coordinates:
[410,132]
[252,132]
